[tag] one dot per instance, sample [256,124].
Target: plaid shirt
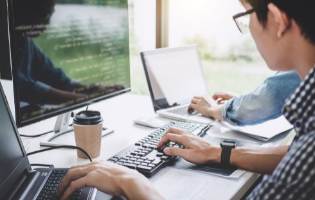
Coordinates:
[294,177]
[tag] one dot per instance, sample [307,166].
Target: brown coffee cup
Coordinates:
[87,126]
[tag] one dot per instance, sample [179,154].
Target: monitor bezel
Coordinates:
[24,165]
[21,123]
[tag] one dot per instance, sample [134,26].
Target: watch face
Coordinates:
[228,143]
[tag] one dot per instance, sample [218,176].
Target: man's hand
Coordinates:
[196,150]
[224,96]
[206,106]
[108,178]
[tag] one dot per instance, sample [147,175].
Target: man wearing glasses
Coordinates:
[284,33]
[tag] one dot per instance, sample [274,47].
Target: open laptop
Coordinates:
[17,179]
[174,77]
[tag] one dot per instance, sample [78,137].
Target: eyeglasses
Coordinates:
[242,20]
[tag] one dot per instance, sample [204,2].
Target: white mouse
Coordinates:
[149,122]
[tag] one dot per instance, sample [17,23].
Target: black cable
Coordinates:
[43,165]
[61,147]
[34,136]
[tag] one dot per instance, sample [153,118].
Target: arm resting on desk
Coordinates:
[263,160]
[257,159]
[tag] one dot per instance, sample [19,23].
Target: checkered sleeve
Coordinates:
[294,177]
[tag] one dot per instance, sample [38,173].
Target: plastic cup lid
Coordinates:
[88,117]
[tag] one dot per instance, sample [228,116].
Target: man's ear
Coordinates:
[280,18]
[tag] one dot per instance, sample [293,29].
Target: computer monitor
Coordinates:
[67,54]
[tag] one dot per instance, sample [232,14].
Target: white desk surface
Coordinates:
[119,112]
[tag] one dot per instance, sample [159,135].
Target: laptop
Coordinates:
[17,179]
[174,77]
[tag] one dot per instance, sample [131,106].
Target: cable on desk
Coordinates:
[61,147]
[43,165]
[34,136]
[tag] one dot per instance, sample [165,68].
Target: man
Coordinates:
[285,36]
[262,104]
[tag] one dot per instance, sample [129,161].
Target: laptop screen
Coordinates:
[11,153]
[175,76]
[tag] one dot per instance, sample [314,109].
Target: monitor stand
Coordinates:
[62,127]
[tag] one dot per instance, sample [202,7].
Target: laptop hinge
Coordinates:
[23,185]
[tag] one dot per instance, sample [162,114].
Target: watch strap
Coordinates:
[226,154]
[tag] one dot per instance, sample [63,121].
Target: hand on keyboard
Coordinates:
[197,150]
[109,178]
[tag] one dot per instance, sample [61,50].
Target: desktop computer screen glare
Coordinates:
[68,54]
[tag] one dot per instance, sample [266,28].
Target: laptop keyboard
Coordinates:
[182,111]
[145,157]
[52,184]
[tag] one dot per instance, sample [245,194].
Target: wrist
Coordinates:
[137,187]
[215,112]
[214,155]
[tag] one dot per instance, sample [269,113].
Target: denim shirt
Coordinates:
[37,74]
[264,103]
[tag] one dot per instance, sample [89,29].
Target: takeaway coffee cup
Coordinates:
[87,126]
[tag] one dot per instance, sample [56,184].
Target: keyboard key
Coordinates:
[133,153]
[141,154]
[119,163]
[147,161]
[131,166]
[144,164]
[150,165]
[159,154]
[155,162]
[144,168]
[137,163]
[138,143]
[164,158]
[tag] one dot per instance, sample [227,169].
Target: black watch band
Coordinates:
[227,147]
[225,155]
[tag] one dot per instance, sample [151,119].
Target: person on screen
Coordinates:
[262,104]
[285,36]
[39,81]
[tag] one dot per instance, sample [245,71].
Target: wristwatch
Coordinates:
[227,146]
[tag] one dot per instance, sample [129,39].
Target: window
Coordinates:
[230,59]
[142,37]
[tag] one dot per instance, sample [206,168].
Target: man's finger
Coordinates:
[170,130]
[175,151]
[77,184]
[171,137]
[197,97]
[195,101]
[71,175]
[218,95]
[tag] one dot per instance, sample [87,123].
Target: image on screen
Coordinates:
[69,52]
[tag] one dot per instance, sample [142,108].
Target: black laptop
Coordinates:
[17,179]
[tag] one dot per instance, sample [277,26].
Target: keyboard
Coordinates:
[182,111]
[146,158]
[49,189]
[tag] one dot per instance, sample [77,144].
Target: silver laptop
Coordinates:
[174,77]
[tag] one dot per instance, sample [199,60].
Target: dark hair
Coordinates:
[301,11]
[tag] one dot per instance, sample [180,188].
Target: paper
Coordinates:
[176,184]
[264,131]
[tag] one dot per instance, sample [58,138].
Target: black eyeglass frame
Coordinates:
[241,15]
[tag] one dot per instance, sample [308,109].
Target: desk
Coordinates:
[119,112]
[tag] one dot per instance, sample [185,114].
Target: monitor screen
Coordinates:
[68,54]
[175,76]
[11,153]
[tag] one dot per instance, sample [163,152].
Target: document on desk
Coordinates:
[217,169]
[264,131]
[177,184]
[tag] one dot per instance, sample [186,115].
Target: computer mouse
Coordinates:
[149,122]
